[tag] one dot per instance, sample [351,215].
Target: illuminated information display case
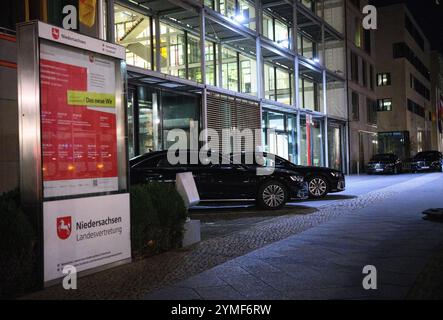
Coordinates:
[73,152]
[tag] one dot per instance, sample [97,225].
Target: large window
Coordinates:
[419,87]
[246,14]
[354,67]
[307,47]
[384,105]
[364,72]
[210,58]
[355,108]
[247,75]
[229,69]
[416,108]
[133,31]
[228,8]
[177,113]
[281,34]
[367,41]
[283,78]
[193,57]
[276,30]
[308,91]
[148,119]
[269,82]
[383,79]
[371,106]
[278,84]
[172,51]
[152,113]
[268,26]
[358,33]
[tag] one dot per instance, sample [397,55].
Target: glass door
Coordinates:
[278,144]
[335,146]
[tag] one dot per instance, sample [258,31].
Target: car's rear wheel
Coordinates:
[318,187]
[272,195]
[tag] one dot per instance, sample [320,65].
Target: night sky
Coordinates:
[428,13]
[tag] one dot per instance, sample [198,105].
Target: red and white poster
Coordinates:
[78,114]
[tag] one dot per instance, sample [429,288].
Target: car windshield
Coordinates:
[383,157]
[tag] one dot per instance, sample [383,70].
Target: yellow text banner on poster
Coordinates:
[94,99]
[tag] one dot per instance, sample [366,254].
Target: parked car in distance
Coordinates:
[384,163]
[427,161]
[321,180]
[223,181]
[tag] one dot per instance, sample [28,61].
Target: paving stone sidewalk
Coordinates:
[326,262]
[135,280]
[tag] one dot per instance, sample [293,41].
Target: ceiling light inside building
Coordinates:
[239,18]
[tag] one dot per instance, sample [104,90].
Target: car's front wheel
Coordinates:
[318,187]
[272,195]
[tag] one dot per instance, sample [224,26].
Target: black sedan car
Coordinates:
[384,163]
[223,181]
[321,180]
[427,161]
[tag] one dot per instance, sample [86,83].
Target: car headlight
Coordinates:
[335,174]
[297,179]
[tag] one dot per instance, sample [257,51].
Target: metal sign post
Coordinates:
[73,152]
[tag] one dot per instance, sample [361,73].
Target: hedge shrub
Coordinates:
[158,214]
[17,242]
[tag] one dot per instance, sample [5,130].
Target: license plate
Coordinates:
[425,167]
[379,170]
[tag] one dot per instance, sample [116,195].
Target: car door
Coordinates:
[226,180]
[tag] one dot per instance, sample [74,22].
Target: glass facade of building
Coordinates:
[286,58]
[255,55]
